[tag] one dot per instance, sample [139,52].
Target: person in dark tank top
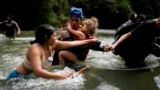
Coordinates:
[11,26]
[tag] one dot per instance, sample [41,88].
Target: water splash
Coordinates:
[24,38]
[3,37]
[157,80]
[1,75]
[105,86]
[114,62]
[75,82]
[105,60]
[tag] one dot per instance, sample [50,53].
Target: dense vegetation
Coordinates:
[111,13]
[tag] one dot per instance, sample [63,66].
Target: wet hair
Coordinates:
[11,16]
[43,33]
[133,17]
[92,25]
[141,17]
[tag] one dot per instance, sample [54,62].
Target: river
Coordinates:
[104,74]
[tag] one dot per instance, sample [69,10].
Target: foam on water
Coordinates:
[114,62]
[104,60]
[3,37]
[75,82]
[24,38]
[157,81]
[105,86]
[1,75]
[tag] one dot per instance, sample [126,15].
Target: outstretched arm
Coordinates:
[3,22]
[120,40]
[94,46]
[69,44]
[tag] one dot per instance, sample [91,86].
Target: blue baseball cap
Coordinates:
[76,12]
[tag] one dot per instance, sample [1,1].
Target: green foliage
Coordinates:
[111,13]
[52,12]
[150,8]
[123,6]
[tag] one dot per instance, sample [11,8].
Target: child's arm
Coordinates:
[77,33]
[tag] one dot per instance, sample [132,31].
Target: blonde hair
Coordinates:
[92,25]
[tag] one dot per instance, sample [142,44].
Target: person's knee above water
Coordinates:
[38,56]
[87,31]
[138,41]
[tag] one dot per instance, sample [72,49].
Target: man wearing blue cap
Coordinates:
[76,16]
[72,32]
[75,20]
